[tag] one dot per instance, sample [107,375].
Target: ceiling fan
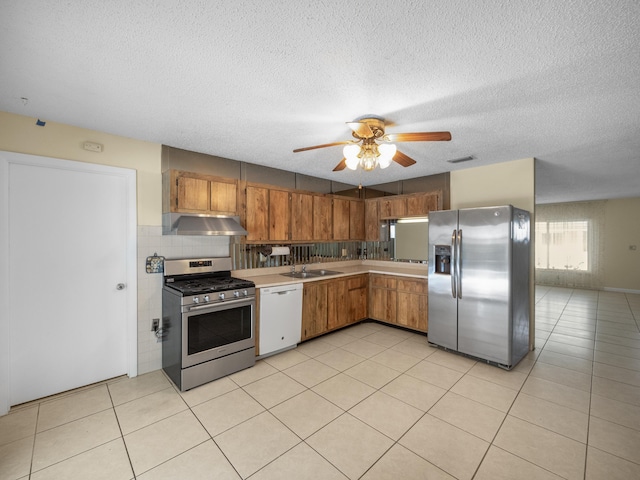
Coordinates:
[372,147]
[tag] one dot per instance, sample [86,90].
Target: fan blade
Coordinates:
[419,137]
[361,129]
[341,166]
[402,159]
[322,146]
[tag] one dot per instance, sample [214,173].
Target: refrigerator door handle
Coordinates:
[459,264]
[453,265]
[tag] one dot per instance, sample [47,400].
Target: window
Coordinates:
[569,244]
[563,245]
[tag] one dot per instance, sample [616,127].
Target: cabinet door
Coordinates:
[421,204]
[337,304]
[383,304]
[257,213]
[412,303]
[371,220]
[192,194]
[356,220]
[279,215]
[393,207]
[412,311]
[322,218]
[224,197]
[358,297]
[314,309]
[301,216]
[340,219]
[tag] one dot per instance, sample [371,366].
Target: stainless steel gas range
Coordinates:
[208,321]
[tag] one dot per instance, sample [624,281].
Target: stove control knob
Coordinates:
[236,294]
[245,293]
[206,298]
[221,296]
[196,300]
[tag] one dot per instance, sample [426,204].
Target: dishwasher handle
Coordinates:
[281,290]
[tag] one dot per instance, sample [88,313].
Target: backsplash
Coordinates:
[150,241]
[256,256]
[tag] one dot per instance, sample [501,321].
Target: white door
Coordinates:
[71,275]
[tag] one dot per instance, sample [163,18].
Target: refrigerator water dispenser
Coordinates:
[443,259]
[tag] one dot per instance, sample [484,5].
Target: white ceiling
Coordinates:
[252,80]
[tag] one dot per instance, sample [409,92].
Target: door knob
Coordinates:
[120,286]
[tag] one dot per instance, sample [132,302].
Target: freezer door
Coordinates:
[484,315]
[443,306]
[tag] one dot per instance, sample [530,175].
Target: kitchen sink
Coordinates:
[299,274]
[322,272]
[311,273]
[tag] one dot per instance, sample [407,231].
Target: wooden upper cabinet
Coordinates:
[224,197]
[301,216]
[192,194]
[340,219]
[257,218]
[371,220]
[195,193]
[279,215]
[422,203]
[322,218]
[356,220]
[393,207]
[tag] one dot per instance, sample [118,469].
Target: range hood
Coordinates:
[193,224]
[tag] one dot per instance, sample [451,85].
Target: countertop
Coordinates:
[271,277]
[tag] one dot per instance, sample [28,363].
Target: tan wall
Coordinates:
[21,134]
[499,184]
[509,183]
[622,230]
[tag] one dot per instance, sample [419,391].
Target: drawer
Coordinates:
[383,281]
[413,285]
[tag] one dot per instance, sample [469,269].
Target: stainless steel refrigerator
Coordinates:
[479,260]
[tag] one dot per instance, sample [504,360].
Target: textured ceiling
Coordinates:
[251,81]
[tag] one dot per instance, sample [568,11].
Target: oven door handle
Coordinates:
[193,308]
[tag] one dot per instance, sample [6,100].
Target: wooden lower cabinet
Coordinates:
[314,309]
[399,300]
[331,304]
[383,298]
[335,303]
[358,297]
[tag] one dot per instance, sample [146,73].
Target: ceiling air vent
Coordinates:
[462,159]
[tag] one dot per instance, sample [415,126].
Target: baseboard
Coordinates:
[621,290]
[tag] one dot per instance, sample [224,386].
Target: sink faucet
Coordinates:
[293,268]
[304,268]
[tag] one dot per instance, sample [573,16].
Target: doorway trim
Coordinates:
[8,158]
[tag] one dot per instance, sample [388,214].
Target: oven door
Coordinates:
[214,331]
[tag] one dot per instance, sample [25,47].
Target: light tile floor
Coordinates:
[369,402]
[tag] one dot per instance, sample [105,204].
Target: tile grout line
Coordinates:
[126,449]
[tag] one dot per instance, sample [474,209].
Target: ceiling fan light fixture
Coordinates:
[387,151]
[351,153]
[368,161]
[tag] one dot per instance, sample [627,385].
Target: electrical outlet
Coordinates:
[155,324]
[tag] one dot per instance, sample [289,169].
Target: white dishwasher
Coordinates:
[280,318]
